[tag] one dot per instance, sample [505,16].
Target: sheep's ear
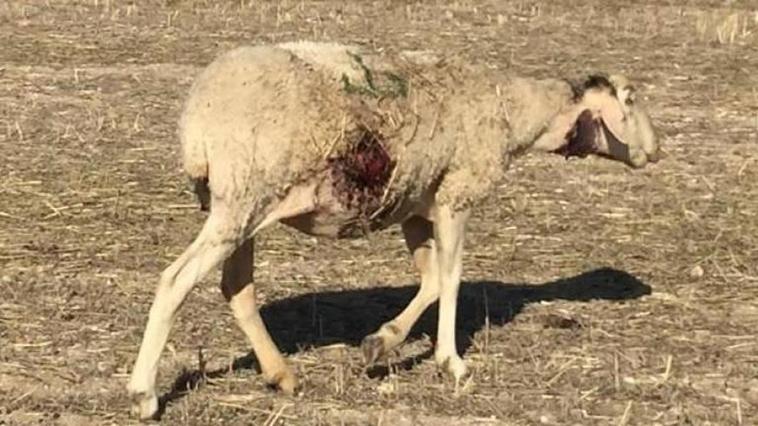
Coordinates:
[609,109]
[613,127]
[612,115]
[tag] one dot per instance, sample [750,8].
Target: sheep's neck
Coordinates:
[540,112]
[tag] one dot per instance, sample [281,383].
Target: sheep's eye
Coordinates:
[630,95]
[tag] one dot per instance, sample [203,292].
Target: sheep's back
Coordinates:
[263,118]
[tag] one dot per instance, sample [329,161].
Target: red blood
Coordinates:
[361,173]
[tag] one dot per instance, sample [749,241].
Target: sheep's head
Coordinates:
[604,119]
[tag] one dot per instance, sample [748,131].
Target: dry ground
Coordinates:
[594,294]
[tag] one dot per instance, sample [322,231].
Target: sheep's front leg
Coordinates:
[239,290]
[419,237]
[449,228]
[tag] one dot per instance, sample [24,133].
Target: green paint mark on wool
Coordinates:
[389,85]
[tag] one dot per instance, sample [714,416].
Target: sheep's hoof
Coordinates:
[373,349]
[453,365]
[144,405]
[284,380]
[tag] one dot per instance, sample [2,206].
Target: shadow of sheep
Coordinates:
[347,316]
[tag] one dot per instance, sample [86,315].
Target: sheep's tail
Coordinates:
[195,163]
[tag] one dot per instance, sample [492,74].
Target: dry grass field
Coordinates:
[593,294]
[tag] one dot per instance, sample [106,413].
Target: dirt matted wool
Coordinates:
[592,294]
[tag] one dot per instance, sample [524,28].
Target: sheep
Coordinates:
[336,141]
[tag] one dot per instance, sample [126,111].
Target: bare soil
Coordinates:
[593,294]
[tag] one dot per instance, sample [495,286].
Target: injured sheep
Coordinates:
[335,141]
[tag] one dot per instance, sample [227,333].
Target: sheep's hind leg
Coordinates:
[239,290]
[419,237]
[217,240]
[449,228]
